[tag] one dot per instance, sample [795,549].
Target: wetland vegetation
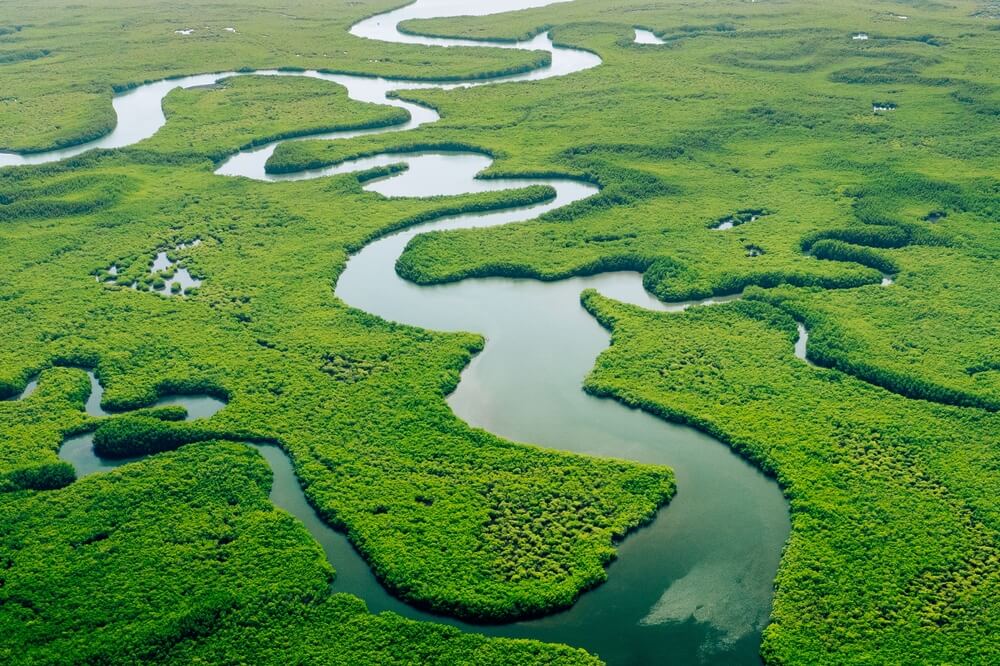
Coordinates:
[748,153]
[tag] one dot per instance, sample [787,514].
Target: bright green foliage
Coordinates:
[894,548]
[340,631]
[250,110]
[60,66]
[32,430]
[894,551]
[447,516]
[134,436]
[879,335]
[893,557]
[182,559]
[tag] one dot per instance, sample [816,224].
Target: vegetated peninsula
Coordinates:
[448,333]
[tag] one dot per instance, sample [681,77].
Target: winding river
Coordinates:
[695,585]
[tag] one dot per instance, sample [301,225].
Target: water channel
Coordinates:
[695,585]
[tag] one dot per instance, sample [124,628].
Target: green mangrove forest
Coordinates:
[831,166]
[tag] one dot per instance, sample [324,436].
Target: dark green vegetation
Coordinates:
[896,530]
[32,430]
[449,518]
[894,546]
[184,559]
[894,552]
[136,435]
[202,123]
[93,48]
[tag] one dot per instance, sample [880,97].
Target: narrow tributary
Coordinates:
[695,585]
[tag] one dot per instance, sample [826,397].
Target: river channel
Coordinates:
[695,585]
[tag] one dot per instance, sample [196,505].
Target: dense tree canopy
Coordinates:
[888,454]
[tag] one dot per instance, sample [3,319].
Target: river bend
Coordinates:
[695,585]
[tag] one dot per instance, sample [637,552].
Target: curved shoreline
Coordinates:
[695,584]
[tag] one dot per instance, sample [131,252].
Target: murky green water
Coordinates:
[693,587]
